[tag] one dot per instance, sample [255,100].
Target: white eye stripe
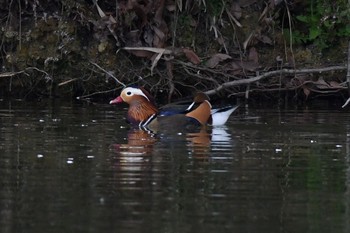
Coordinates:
[129,91]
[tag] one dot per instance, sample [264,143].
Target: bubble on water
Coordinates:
[39,155]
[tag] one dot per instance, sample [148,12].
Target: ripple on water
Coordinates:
[265,171]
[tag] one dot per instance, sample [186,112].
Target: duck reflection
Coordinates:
[139,142]
[202,143]
[221,135]
[198,143]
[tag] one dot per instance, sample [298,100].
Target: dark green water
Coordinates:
[77,167]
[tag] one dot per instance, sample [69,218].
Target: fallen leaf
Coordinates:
[191,56]
[235,65]
[321,84]
[216,59]
[265,40]
[171,6]
[306,91]
[236,10]
[253,55]
[335,84]
[249,65]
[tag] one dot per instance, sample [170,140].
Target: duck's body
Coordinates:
[219,115]
[143,112]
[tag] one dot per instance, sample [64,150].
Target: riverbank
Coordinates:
[71,49]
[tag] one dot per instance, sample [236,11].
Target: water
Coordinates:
[77,167]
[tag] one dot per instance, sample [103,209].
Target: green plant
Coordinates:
[322,23]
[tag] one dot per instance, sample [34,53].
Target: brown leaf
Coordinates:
[236,65]
[249,65]
[141,53]
[216,59]
[171,6]
[191,56]
[306,91]
[253,55]
[321,84]
[335,84]
[265,40]
[236,10]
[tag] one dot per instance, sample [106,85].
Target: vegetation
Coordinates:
[324,23]
[239,48]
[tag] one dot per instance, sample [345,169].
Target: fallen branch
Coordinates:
[159,51]
[348,76]
[273,73]
[108,73]
[11,74]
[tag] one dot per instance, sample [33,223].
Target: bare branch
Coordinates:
[348,76]
[108,73]
[272,73]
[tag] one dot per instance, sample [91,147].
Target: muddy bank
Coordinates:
[74,49]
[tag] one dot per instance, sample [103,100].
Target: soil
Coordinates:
[72,49]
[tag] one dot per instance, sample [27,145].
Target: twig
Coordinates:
[346,103]
[95,93]
[348,76]
[11,74]
[66,82]
[108,73]
[159,51]
[272,73]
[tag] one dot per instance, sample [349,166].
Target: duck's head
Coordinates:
[142,109]
[132,94]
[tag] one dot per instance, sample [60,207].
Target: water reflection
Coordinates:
[199,143]
[77,168]
[139,142]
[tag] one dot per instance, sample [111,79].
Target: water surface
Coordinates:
[78,167]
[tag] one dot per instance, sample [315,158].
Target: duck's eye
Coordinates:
[128,93]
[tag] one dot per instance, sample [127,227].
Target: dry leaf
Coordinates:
[335,84]
[306,91]
[249,65]
[191,56]
[236,10]
[265,40]
[253,55]
[216,59]
[321,84]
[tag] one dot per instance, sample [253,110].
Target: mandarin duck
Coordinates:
[143,112]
